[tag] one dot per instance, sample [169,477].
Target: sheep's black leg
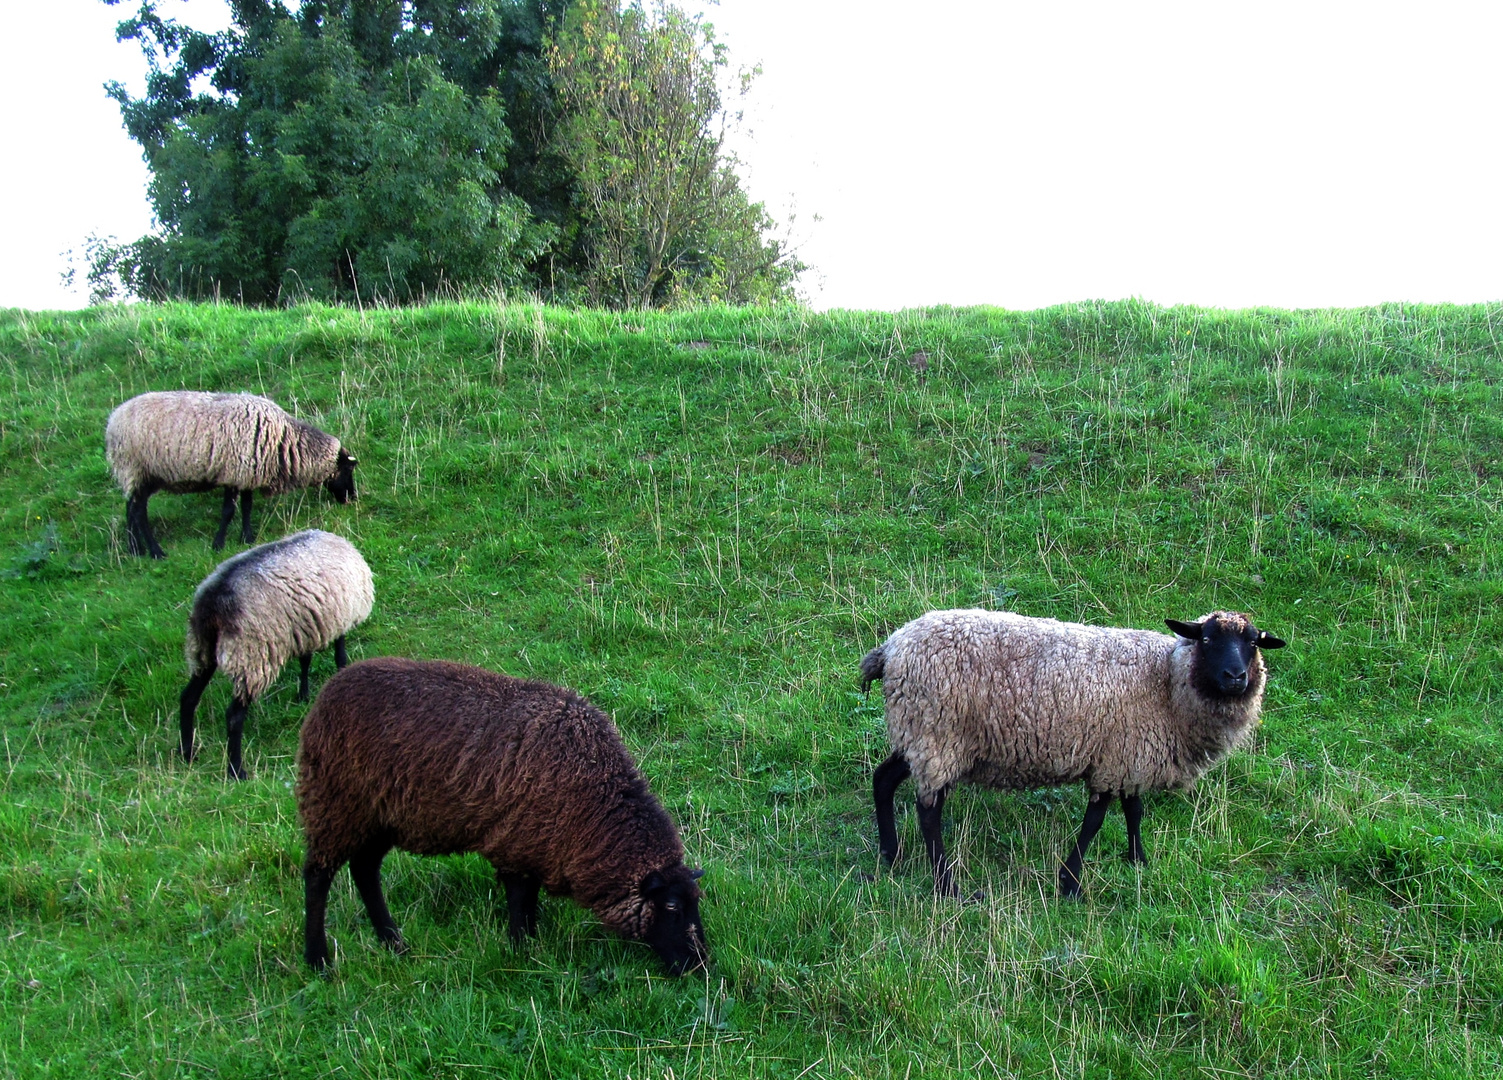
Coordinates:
[138,525]
[226,512]
[187,706]
[929,825]
[133,541]
[316,882]
[304,663]
[234,723]
[365,868]
[885,780]
[341,658]
[144,522]
[247,535]
[521,904]
[1069,873]
[1132,810]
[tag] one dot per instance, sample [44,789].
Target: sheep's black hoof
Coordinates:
[977,897]
[889,857]
[237,772]
[187,752]
[395,942]
[1069,887]
[1137,858]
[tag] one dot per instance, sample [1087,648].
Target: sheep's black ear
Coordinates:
[695,875]
[1268,641]
[1189,630]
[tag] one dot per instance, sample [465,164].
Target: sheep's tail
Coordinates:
[202,645]
[872,665]
[201,650]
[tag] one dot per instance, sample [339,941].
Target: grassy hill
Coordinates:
[703,520]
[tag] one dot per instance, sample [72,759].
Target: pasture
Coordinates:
[702,520]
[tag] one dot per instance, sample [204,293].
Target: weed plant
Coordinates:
[703,520]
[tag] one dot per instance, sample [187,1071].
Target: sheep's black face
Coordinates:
[342,484]
[1226,647]
[675,933]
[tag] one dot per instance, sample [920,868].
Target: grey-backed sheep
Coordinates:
[260,608]
[996,698]
[438,757]
[186,440]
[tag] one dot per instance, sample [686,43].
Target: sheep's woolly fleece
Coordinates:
[442,757]
[188,440]
[1001,699]
[288,598]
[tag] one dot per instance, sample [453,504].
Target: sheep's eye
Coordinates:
[672,905]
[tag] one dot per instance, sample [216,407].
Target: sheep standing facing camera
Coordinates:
[995,698]
[260,608]
[186,440]
[435,757]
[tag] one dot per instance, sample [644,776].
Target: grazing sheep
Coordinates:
[185,440]
[996,698]
[260,608]
[437,757]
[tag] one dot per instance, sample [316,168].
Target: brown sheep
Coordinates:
[435,757]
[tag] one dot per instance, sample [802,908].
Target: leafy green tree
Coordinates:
[348,148]
[644,125]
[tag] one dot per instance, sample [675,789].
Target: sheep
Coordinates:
[258,609]
[437,757]
[187,441]
[1001,699]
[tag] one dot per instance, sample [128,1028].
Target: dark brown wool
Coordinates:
[436,757]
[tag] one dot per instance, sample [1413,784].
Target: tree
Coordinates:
[644,128]
[347,148]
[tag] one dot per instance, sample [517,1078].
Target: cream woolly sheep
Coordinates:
[186,440]
[260,608]
[996,698]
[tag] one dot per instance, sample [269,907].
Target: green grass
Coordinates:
[703,520]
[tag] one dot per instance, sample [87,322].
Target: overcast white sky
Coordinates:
[1292,154]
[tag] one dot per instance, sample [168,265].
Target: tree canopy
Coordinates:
[362,149]
[342,149]
[644,127]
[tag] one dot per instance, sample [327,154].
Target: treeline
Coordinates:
[396,150]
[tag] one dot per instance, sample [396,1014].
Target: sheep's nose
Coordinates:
[1236,679]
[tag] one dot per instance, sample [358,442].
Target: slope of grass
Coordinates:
[703,520]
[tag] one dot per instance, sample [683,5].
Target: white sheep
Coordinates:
[996,698]
[260,608]
[187,440]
